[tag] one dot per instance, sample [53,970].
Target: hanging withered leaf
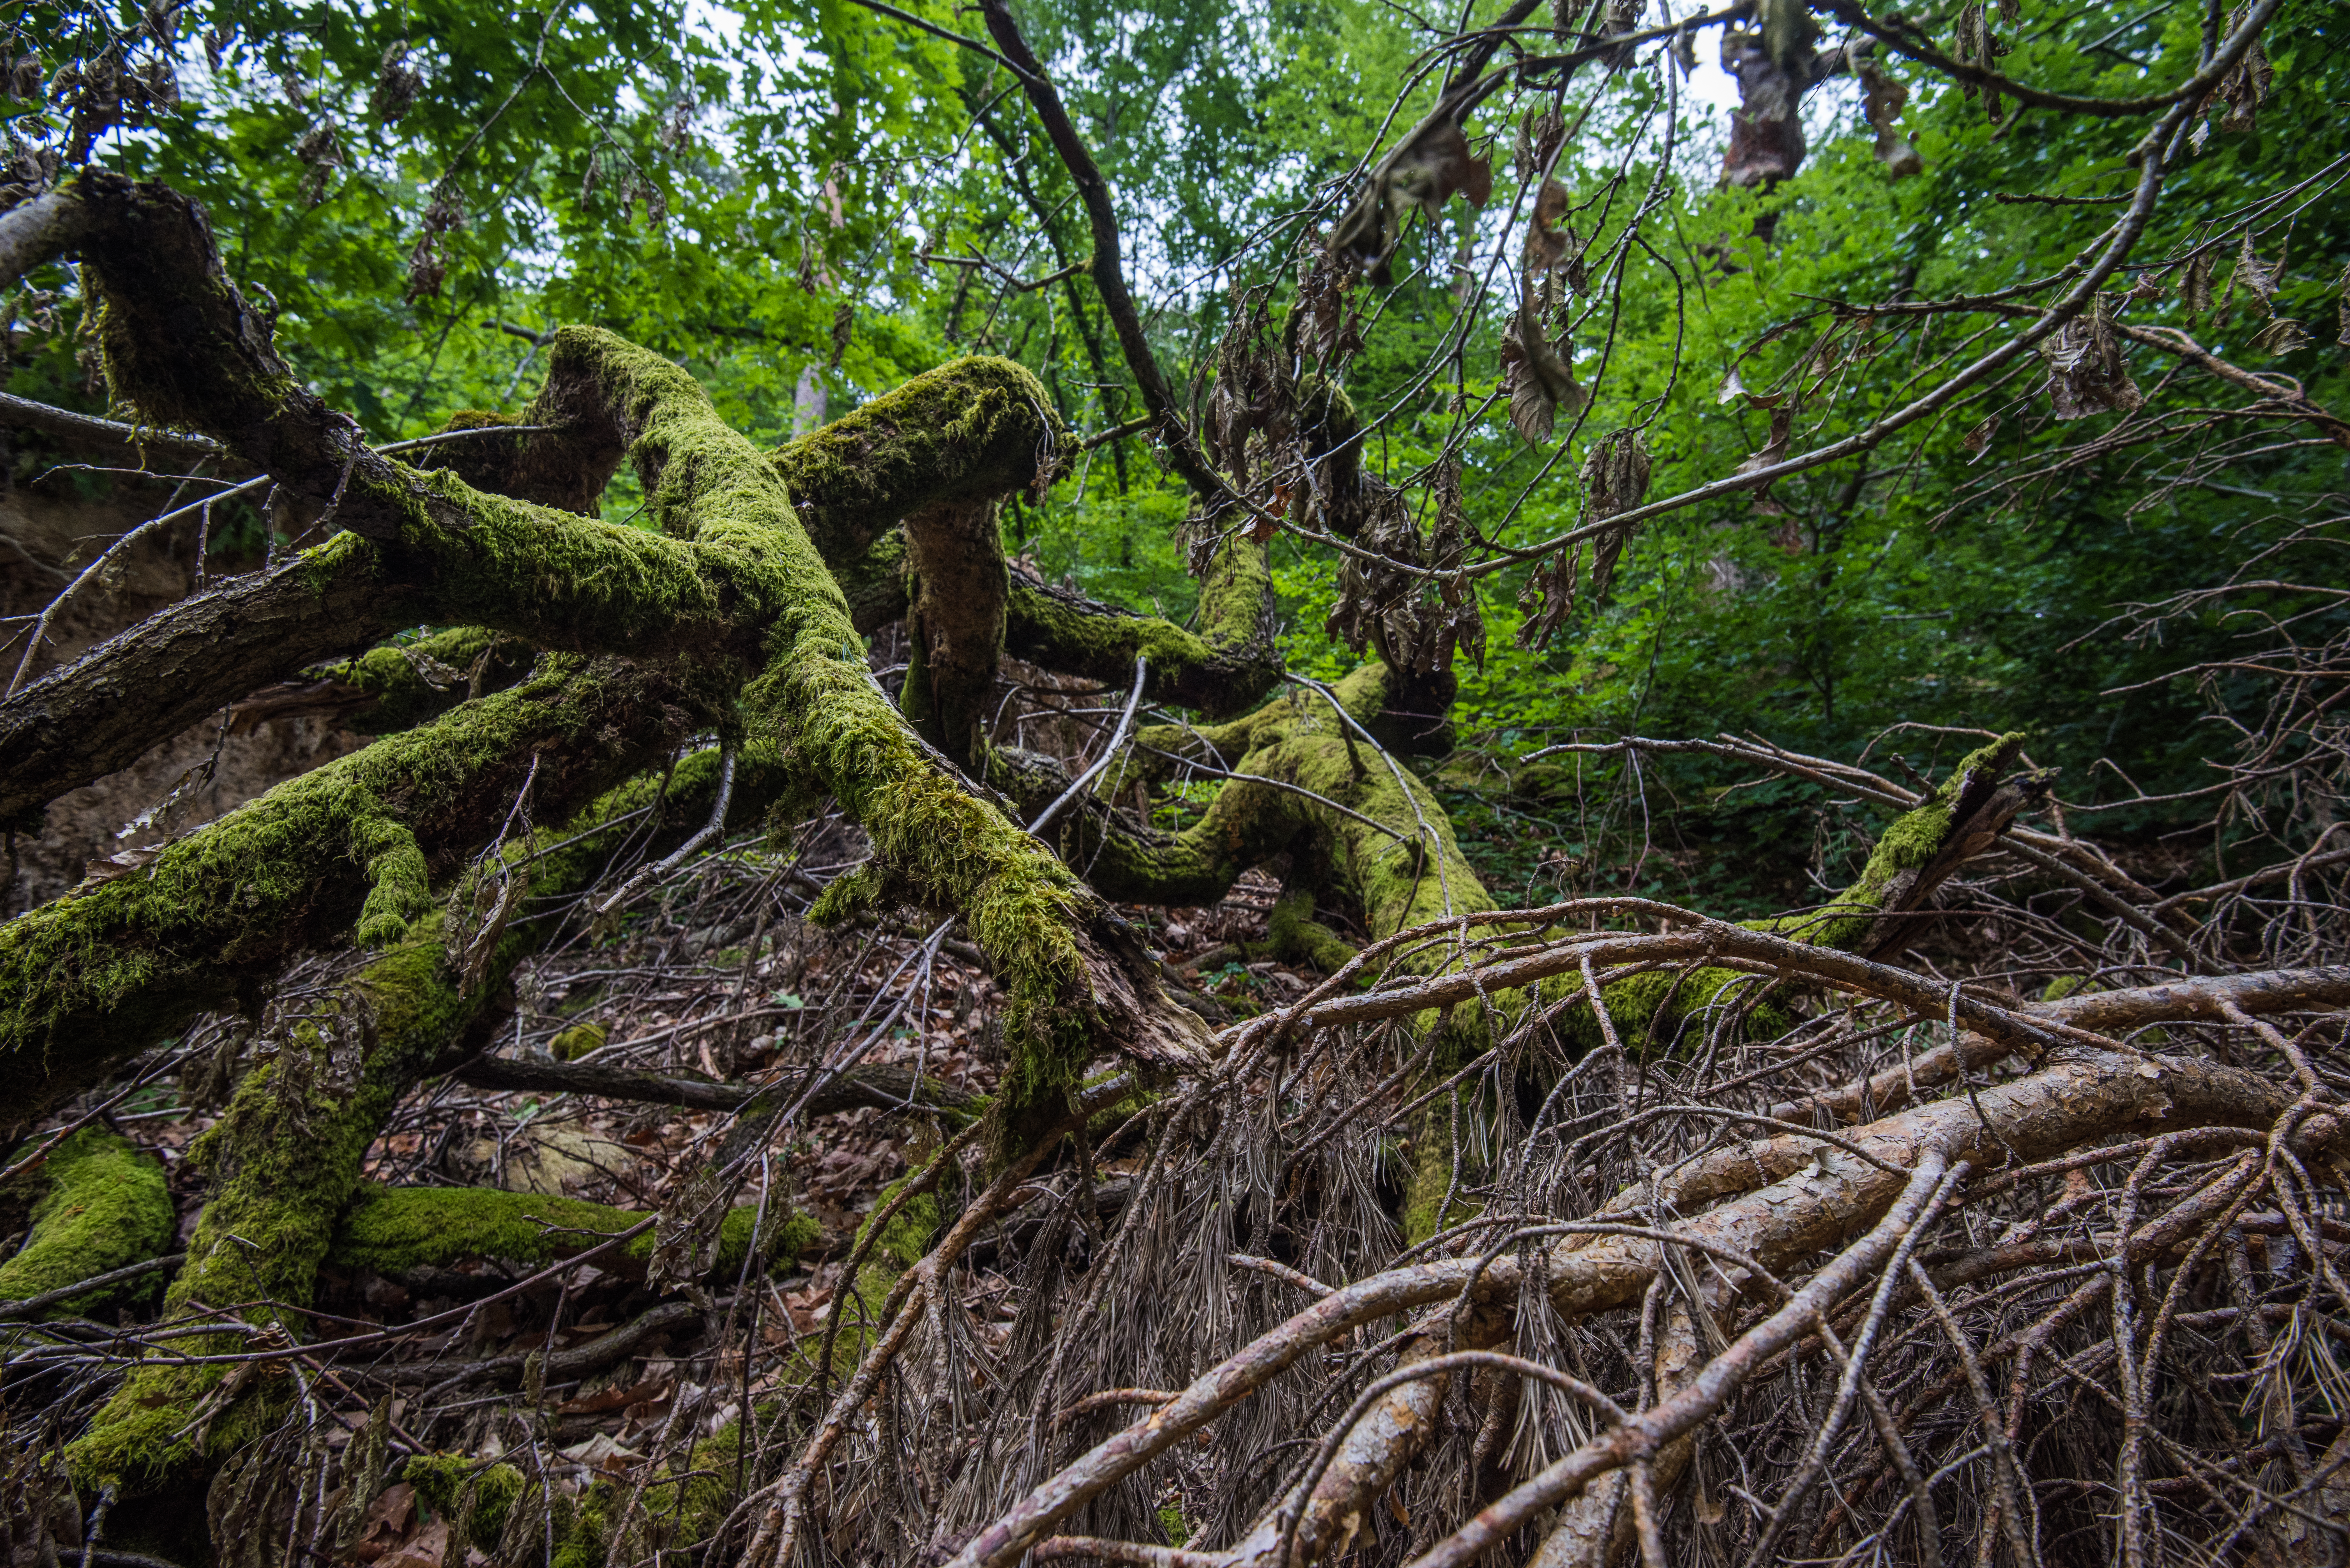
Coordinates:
[1539,381]
[320,152]
[2282,335]
[2244,89]
[844,327]
[1376,603]
[1883,98]
[1978,47]
[1614,480]
[1616,473]
[25,80]
[1539,135]
[2195,290]
[1545,245]
[1623,17]
[677,124]
[2345,338]
[1539,378]
[2086,373]
[1548,597]
[1252,415]
[1978,440]
[427,264]
[1424,171]
[1456,623]
[398,83]
[2254,275]
[1319,318]
[1774,447]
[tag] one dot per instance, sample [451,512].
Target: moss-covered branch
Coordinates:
[1881,912]
[106,970]
[287,1156]
[1220,668]
[395,1230]
[1391,852]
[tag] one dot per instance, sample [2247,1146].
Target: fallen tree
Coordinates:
[1623,1230]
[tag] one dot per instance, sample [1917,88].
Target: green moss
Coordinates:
[286,1157]
[1293,936]
[1425,1210]
[1403,877]
[873,581]
[577,1040]
[477,1498]
[672,1514]
[395,1230]
[106,970]
[106,1206]
[416,681]
[1171,1526]
[1222,669]
[1666,1010]
[973,430]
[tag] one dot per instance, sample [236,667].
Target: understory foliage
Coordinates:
[1189,785]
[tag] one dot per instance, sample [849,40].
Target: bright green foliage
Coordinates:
[107,1205]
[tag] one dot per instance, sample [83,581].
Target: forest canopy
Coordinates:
[1190,785]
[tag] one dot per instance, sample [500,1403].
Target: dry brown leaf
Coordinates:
[605,1399]
[1883,98]
[1424,172]
[1978,440]
[2195,291]
[427,1549]
[2248,86]
[2086,372]
[2281,336]
[1783,420]
[1540,380]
